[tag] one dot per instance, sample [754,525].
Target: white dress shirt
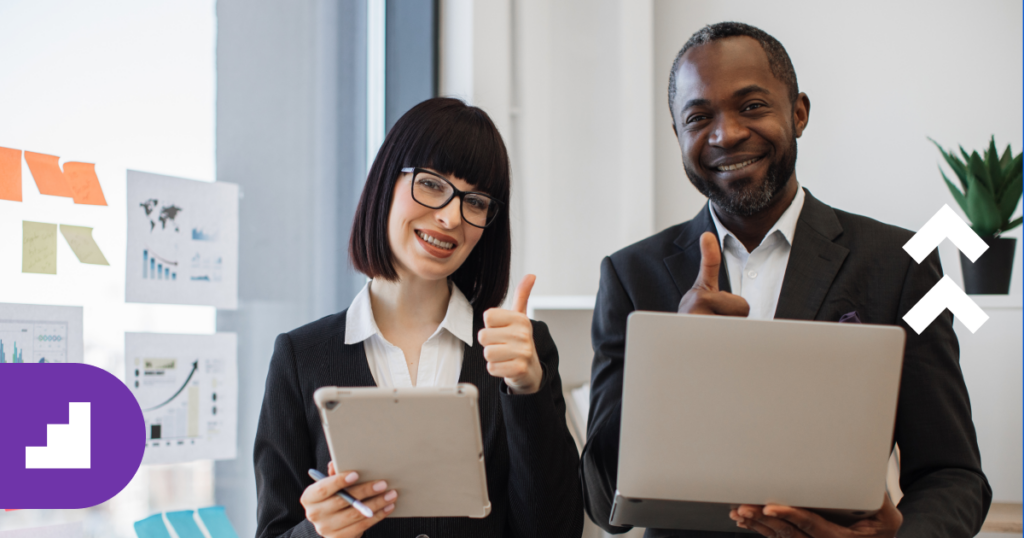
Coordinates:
[440,357]
[757,276]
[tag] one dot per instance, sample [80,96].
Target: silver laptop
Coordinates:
[722,411]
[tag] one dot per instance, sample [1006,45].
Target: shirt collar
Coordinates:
[459,318]
[786,225]
[360,325]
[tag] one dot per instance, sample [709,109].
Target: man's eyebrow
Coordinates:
[695,102]
[753,88]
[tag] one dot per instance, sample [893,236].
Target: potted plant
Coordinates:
[991,190]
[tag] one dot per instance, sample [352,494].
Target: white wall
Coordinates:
[569,86]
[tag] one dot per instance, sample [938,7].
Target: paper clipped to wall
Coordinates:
[40,334]
[182,241]
[187,387]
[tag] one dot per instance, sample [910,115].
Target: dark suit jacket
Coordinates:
[530,457]
[839,263]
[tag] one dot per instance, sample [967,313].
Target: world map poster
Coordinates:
[182,241]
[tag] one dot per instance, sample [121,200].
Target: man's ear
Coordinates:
[801,114]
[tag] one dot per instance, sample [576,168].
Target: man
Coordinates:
[737,112]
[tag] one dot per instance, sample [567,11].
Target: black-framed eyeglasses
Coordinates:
[433,191]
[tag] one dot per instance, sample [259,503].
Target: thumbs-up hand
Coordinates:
[508,343]
[705,297]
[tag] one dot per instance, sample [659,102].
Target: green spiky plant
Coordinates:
[991,187]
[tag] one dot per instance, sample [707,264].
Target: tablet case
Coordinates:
[425,441]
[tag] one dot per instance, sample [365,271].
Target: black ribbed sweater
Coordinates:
[530,457]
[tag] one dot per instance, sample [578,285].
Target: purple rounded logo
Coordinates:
[71,436]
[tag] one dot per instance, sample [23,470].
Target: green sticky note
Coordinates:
[80,240]
[38,248]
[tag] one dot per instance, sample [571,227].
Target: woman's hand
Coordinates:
[508,343]
[333,517]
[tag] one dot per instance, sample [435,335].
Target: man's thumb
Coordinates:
[710,261]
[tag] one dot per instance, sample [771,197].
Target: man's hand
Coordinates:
[777,521]
[704,297]
[508,343]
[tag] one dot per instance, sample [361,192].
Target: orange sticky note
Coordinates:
[10,174]
[46,171]
[84,184]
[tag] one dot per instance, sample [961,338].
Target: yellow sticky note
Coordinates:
[39,248]
[80,240]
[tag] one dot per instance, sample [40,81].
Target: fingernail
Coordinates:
[770,512]
[746,512]
[389,508]
[391,495]
[380,486]
[351,477]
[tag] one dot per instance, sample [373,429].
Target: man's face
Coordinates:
[736,125]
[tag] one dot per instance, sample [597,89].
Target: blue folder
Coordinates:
[152,527]
[216,522]
[184,524]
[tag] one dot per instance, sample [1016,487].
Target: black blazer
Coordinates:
[839,263]
[530,457]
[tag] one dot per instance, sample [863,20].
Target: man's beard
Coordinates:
[748,199]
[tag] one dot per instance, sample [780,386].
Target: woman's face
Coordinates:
[429,243]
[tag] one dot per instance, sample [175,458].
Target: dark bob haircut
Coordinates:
[450,137]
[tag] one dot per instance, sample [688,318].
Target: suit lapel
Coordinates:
[814,261]
[474,371]
[352,369]
[474,366]
[684,266]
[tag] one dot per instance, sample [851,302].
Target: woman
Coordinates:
[432,231]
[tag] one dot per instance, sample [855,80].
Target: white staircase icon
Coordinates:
[68,446]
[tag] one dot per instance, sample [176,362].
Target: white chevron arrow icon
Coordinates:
[945,224]
[945,294]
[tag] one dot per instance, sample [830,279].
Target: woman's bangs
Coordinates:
[467,147]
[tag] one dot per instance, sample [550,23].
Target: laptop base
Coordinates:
[698,516]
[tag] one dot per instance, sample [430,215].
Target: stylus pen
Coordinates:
[363,509]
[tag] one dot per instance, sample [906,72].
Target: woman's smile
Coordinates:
[436,244]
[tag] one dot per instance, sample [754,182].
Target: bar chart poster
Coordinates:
[40,334]
[187,386]
[182,241]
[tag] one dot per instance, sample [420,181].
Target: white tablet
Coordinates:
[426,442]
